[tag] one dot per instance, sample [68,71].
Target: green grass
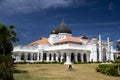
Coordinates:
[58,72]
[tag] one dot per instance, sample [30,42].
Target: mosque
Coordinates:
[62,46]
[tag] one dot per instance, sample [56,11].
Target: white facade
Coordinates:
[63,47]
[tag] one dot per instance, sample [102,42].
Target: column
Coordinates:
[56,57]
[88,57]
[61,58]
[68,58]
[16,56]
[48,58]
[26,57]
[76,57]
[38,56]
[31,57]
[112,55]
[41,56]
[19,56]
[108,49]
[100,48]
[81,57]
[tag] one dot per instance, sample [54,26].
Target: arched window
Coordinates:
[54,56]
[97,54]
[35,56]
[44,56]
[29,56]
[104,54]
[84,57]
[72,57]
[22,56]
[79,57]
[59,55]
[50,56]
[39,56]
[64,57]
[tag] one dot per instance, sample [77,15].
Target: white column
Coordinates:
[38,56]
[112,54]
[41,56]
[26,56]
[88,57]
[31,57]
[76,57]
[61,58]
[52,57]
[48,58]
[100,49]
[19,56]
[81,57]
[108,49]
[68,58]
[56,57]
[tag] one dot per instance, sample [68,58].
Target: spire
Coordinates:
[108,40]
[99,37]
[62,21]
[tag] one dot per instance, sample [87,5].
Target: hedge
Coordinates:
[109,69]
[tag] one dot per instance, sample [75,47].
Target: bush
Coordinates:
[109,69]
[117,61]
[6,67]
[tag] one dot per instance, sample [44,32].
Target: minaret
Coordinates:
[108,48]
[100,48]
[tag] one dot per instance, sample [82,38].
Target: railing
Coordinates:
[69,46]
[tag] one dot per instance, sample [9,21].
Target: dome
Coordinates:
[54,31]
[62,28]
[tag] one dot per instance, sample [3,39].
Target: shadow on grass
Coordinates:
[19,71]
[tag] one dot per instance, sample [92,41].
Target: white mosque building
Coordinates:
[61,46]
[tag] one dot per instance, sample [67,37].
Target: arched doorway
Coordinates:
[79,57]
[72,57]
[35,56]
[54,56]
[59,55]
[44,56]
[64,57]
[29,56]
[50,57]
[104,54]
[84,57]
[22,56]
[39,56]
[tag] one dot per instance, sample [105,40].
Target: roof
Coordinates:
[90,42]
[83,37]
[42,40]
[69,39]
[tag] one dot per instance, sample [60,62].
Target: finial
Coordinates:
[62,21]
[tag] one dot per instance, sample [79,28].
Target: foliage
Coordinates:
[117,61]
[6,67]
[7,37]
[109,69]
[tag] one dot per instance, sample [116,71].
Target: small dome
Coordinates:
[62,28]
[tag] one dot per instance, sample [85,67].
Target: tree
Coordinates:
[7,37]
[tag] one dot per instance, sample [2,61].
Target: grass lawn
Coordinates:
[58,72]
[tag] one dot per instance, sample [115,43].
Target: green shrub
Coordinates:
[109,69]
[117,61]
[6,67]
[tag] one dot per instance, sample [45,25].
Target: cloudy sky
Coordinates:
[36,18]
